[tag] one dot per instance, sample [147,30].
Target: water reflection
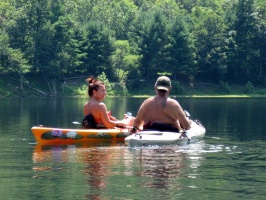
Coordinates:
[163,167]
[112,171]
[93,162]
[157,167]
[229,164]
[102,167]
[160,165]
[70,153]
[96,170]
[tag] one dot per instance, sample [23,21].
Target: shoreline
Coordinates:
[10,88]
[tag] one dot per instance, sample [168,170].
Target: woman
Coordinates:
[95,111]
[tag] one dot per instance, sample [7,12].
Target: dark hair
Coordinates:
[94,84]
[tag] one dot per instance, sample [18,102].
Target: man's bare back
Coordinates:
[162,109]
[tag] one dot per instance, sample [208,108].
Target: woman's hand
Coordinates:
[120,124]
[109,113]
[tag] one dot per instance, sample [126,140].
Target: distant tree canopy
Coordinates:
[135,40]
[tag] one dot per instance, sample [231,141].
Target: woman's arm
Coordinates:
[109,113]
[138,122]
[107,122]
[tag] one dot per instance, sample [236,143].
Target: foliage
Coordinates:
[208,31]
[119,90]
[102,77]
[178,55]
[131,42]
[177,88]
[224,88]
[123,60]
[249,88]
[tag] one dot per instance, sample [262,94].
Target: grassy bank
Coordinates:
[38,86]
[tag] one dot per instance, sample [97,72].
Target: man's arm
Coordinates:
[180,115]
[140,116]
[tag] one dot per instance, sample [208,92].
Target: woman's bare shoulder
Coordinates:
[101,106]
[95,105]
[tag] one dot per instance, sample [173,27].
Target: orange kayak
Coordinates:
[49,135]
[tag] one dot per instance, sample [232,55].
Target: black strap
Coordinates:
[89,122]
[160,127]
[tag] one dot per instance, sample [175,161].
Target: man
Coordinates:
[161,112]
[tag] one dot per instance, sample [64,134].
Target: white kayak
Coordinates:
[153,137]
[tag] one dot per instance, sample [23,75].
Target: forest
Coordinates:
[129,43]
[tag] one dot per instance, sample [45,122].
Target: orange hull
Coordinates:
[48,135]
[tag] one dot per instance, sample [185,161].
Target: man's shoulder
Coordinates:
[171,99]
[149,99]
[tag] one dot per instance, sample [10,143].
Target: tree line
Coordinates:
[134,41]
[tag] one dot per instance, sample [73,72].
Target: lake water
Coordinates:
[229,163]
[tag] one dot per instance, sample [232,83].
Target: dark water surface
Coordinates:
[229,163]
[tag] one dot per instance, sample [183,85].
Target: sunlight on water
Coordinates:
[229,163]
[175,168]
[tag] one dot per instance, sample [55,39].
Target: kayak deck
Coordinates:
[153,137]
[49,135]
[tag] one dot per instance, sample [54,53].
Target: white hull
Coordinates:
[145,138]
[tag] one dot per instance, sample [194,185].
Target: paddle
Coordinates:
[184,135]
[187,114]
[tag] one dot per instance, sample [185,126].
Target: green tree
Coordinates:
[211,4]
[12,60]
[209,33]
[68,52]
[116,15]
[152,36]
[245,52]
[169,8]
[123,60]
[179,60]
[99,47]
[50,42]
[259,74]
